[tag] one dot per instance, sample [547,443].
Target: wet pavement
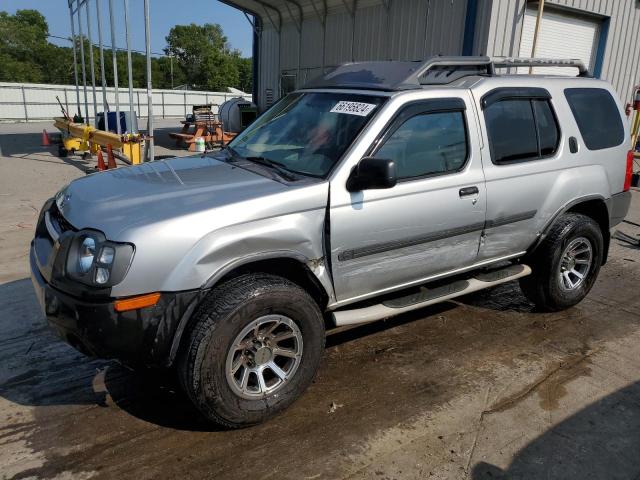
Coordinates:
[481,388]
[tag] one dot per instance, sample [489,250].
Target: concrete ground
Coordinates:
[480,388]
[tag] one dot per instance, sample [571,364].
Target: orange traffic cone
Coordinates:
[101,165]
[111,161]
[45,138]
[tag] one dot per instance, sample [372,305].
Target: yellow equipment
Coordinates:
[132,149]
[69,144]
[83,138]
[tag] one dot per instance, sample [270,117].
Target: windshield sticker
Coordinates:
[353,108]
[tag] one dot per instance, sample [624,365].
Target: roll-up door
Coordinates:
[562,35]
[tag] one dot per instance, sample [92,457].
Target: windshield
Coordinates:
[307,133]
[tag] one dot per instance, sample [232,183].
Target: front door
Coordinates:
[430,222]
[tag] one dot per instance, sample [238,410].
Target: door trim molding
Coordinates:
[377,248]
[518,217]
[408,242]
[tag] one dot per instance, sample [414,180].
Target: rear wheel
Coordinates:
[254,348]
[565,266]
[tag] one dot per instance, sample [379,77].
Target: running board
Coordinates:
[429,296]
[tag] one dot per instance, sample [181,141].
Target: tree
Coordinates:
[23,40]
[245,69]
[205,57]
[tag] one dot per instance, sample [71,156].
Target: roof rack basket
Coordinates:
[407,75]
[452,68]
[541,62]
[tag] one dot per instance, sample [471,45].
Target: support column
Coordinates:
[75,55]
[115,65]
[150,149]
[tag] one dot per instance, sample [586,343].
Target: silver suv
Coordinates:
[379,188]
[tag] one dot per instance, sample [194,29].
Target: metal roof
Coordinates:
[276,12]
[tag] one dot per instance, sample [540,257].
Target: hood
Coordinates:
[152,192]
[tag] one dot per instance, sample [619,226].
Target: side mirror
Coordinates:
[372,173]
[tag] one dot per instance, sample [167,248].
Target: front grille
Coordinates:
[51,226]
[59,222]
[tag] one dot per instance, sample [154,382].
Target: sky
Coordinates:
[164,14]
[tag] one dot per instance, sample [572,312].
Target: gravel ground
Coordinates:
[484,387]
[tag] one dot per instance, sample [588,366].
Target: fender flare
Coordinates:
[324,281]
[542,234]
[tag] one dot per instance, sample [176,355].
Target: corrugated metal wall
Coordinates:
[621,64]
[415,29]
[395,29]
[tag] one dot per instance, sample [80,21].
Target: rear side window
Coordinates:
[521,129]
[597,117]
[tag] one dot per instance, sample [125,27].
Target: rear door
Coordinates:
[431,221]
[522,160]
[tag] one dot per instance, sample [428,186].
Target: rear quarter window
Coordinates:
[597,116]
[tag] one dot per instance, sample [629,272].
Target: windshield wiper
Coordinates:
[230,151]
[284,172]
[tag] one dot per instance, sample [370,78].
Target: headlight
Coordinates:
[95,261]
[86,255]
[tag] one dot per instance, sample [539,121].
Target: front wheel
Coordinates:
[566,264]
[255,346]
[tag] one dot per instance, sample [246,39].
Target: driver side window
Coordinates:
[428,143]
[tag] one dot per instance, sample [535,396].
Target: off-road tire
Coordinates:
[225,312]
[543,286]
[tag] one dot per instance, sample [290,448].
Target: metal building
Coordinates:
[295,40]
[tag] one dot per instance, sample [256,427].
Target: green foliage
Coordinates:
[245,71]
[23,39]
[203,59]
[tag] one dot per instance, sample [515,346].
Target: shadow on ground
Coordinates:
[27,146]
[601,441]
[162,138]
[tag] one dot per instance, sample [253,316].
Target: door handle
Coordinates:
[468,191]
[573,144]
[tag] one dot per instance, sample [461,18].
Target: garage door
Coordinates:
[561,36]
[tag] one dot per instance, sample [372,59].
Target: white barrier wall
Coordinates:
[20,102]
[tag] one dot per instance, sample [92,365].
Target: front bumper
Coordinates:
[144,336]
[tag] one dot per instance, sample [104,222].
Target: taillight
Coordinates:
[629,172]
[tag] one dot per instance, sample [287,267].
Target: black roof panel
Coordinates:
[402,75]
[367,75]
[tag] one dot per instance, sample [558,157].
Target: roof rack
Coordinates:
[429,72]
[439,70]
[500,62]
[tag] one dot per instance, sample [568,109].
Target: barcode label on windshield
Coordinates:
[353,108]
